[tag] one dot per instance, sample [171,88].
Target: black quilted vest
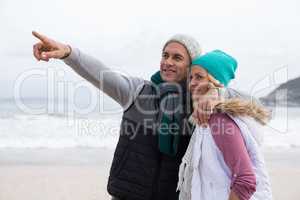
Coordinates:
[139,171]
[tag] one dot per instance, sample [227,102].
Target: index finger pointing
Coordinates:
[40,36]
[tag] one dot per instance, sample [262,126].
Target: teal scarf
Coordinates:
[169,123]
[156,78]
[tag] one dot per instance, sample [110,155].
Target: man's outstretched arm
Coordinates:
[121,88]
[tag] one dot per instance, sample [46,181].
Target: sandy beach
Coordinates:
[77,174]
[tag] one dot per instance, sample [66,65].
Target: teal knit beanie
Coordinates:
[218,64]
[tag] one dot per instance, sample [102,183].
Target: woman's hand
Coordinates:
[47,48]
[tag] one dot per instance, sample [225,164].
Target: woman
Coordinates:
[223,159]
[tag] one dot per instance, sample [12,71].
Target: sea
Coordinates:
[42,123]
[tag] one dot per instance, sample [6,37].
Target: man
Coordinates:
[147,156]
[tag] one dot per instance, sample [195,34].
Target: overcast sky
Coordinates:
[128,35]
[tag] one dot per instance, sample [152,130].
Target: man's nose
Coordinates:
[168,61]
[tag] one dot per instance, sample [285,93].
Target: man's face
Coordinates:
[174,63]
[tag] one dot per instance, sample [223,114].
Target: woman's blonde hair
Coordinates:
[241,107]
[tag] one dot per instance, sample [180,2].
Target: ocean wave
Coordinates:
[61,131]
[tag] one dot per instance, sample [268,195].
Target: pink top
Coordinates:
[229,140]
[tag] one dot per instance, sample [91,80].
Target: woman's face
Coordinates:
[174,63]
[199,81]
